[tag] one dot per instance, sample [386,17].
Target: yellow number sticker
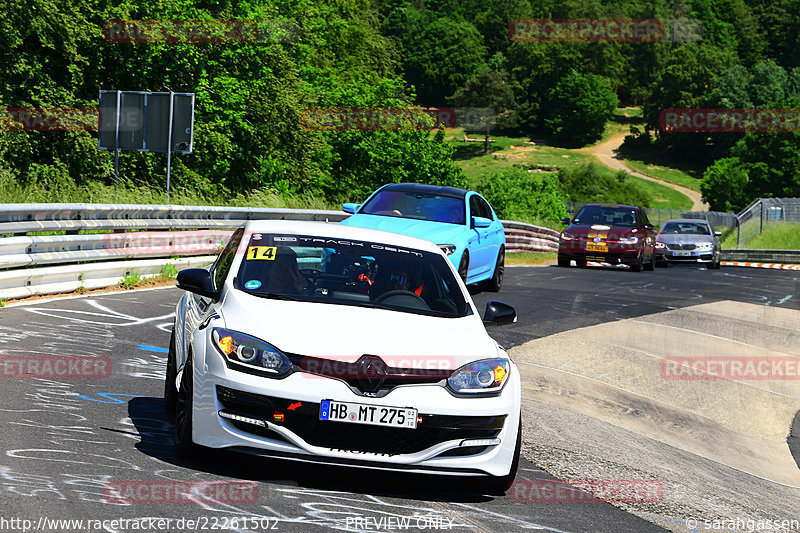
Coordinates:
[261,252]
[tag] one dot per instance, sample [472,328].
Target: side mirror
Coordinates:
[481,222]
[350,208]
[499,314]
[648,226]
[565,221]
[198,281]
[718,234]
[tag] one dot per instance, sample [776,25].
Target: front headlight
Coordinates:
[660,245]
[487,375]
[448,249]
[628,240]
[568,236]
[240,348]
[705,246]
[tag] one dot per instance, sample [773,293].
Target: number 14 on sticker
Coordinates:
[261,252]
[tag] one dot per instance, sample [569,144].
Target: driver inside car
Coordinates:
[285,276]
[398,279]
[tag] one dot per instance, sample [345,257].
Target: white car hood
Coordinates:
[346,332]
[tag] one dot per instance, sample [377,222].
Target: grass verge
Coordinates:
[661,196]
[776,236]
[530,258]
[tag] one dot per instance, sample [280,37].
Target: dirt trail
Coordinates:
[606,152]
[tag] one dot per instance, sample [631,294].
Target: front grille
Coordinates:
[304,421]
[370,374]
[673,246]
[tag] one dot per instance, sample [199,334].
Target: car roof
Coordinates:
[696,220]
[611,205]
[441,190]
[337,231]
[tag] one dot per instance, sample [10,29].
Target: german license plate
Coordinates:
[681,253]
[599,247]
[375,415]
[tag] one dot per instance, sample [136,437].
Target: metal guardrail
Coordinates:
[522,237]
[142,239]
[762,256]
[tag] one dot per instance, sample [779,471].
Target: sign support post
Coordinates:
[116,149]
[169,141]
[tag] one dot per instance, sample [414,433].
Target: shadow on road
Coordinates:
[155,426]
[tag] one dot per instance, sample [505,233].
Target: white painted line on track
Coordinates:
[45,299]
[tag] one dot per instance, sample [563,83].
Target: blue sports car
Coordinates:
[461,222]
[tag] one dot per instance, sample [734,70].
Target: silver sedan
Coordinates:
[688,241]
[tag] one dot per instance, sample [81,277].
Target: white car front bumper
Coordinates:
[302,436]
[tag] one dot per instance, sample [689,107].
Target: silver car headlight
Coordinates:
[486,375]
[243,349]
[705,246]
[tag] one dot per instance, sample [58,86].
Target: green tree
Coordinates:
[725,185]
[488,89]
[442,57]
[579,107]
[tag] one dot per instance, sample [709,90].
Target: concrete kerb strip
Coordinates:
[779,266]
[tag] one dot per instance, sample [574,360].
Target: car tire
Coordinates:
[651,265]
[494,283]
[563,261]
[499,485]
[170,393]
[662,264]
[580,263]
[184,445]
[638,266]
[463,266]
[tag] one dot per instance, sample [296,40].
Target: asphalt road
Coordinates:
[65,442]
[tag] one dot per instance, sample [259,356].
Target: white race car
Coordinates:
[347,346]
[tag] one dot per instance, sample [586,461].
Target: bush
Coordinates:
[586,184]
[517,195]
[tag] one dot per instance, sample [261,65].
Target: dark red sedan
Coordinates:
[615,234]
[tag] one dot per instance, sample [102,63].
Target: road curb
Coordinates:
[778,266]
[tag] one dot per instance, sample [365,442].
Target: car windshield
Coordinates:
[609,216]
[339,271]
[422,206]
[685,228]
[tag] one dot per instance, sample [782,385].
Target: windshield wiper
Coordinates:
[277,296]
